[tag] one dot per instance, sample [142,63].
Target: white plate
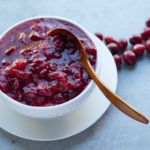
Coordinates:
[77,121]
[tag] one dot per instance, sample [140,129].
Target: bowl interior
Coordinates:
[77,98]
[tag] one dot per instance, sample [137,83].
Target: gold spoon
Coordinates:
[111,96]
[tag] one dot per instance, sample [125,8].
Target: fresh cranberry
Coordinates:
[99,35]
[136,38]
[148,22]
[146,33]
[138,49]
[113,48]
[118,60]
[129,57]
[122,43]
[147,46]
[109,39]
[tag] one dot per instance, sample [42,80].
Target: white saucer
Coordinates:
[80,119]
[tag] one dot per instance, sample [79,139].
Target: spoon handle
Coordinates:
[114,98]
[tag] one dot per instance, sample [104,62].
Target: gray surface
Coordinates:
[114,131]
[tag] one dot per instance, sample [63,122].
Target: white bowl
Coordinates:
[61,109]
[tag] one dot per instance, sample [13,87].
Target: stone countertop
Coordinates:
[114,131]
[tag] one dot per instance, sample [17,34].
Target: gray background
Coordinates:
[120,18]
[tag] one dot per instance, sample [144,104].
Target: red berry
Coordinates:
[109,39]
[58,99]
[40,101]
[113,48]
[99,35]
[147,46]
[10,50]
[34,36]
[129,57]
[30,90]
[136,38]
[43,90]
[138,49]
[23,38]
[5,62]
[36,27]
[122,43]
[91,59]
[15,84]
[20,63]
[148,22]
[146,33]
[117,59]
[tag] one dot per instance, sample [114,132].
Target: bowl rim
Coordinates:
[2,94]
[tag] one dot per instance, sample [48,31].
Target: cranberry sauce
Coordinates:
[42,70]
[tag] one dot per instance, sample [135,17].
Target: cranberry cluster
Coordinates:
[139,43]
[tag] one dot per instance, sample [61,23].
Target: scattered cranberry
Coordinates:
[109,39]
[147,46]
[146,33]
[99,35]
[122,43]
[138,49]
[136,38]
[113,48]
[148,22]
[118,60]
[129,57]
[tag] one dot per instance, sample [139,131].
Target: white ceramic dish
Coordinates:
[61,109]
[75,122]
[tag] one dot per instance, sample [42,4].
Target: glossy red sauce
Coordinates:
[42,70]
